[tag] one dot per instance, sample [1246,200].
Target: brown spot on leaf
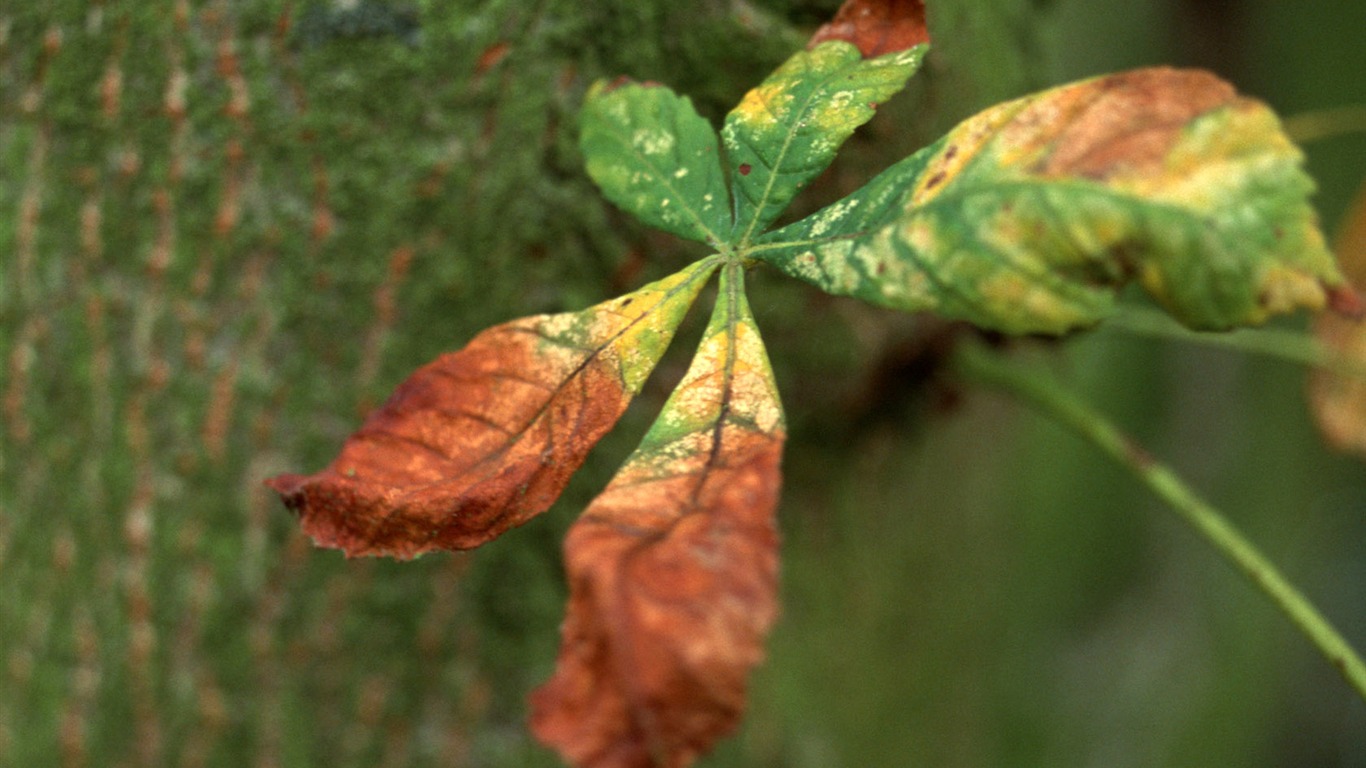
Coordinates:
[1125,121]
[745,168]
[877,27]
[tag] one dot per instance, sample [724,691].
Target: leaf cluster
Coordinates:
[1025,218]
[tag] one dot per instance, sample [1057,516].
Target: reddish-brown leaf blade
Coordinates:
[483,439]
[877,27]
[673,569]
[1339,400]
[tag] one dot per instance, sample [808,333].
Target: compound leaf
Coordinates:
[483,439]
[656,158]
[787,130]
[1027,217]
[1338,399]
[673,568]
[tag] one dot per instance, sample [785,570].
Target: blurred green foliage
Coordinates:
[229,228]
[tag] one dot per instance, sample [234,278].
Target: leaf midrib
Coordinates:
[788,138]
[947,198]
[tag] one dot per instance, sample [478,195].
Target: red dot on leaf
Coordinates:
[745,168]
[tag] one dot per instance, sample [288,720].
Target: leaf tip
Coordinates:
[288,485]
[1346,301]
[621,81]
[877,27]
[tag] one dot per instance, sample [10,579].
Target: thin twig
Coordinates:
[988,368]
[1327,123]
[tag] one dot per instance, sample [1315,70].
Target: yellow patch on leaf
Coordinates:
[762,105]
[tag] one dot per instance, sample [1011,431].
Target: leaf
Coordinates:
[1027,217]
[877,26]
[1338,399]
[656,158]
[483,439]
[673,568]
[787,130]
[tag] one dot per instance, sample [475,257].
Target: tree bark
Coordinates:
[229,229]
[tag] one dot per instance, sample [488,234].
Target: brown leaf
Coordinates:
[877,27]
[483,439]
[1339,400]
[673,571]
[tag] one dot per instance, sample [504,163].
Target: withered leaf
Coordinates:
[1027,217]
[877,26]
[1338,400]
[483,439]
[673,568]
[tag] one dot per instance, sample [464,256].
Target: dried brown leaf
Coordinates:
[483,439]
[673,570]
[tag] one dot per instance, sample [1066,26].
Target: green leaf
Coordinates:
[787,130]
[1028,216]
[656,158]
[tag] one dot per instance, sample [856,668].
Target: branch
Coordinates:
[979,365]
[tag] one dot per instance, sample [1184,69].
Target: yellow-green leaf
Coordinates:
[655,157]
[788,129]
[1028,216]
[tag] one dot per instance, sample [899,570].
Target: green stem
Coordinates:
[1292,346]
[982,366]
[1325,123]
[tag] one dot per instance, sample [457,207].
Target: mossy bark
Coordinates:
[228,229]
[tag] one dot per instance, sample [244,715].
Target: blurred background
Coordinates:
[229,227]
